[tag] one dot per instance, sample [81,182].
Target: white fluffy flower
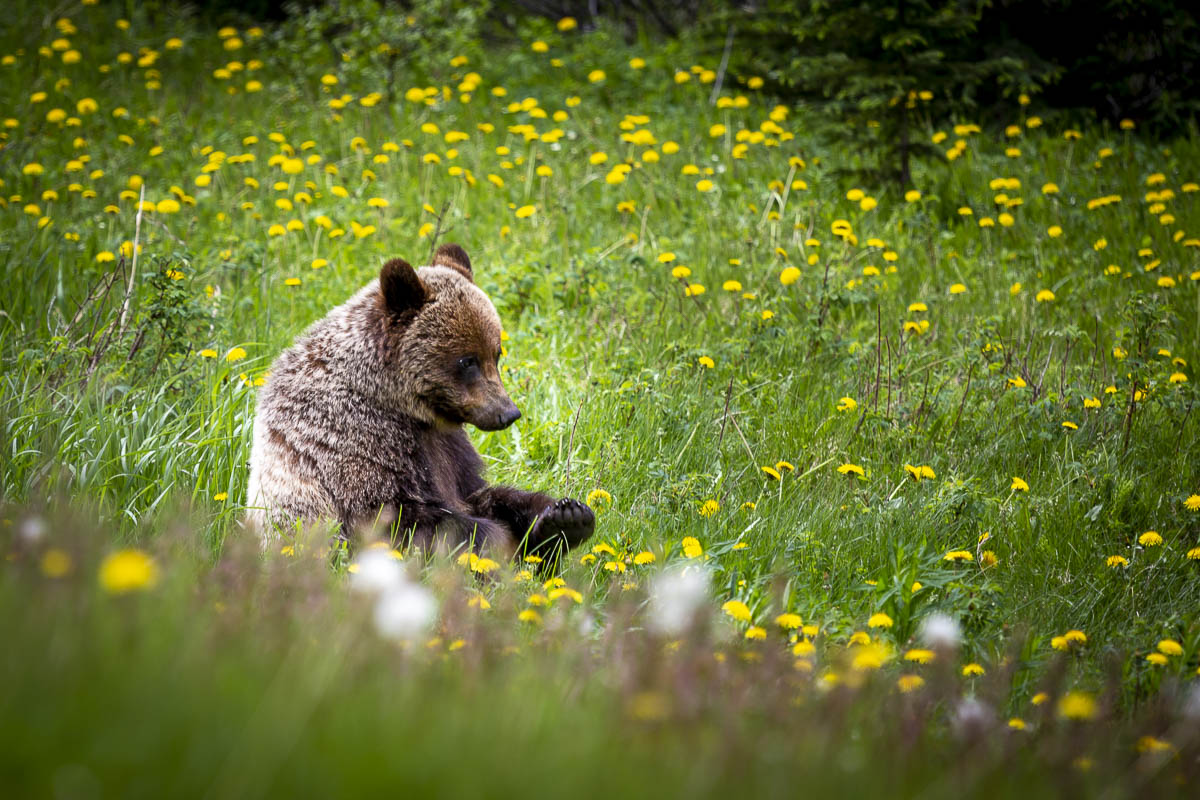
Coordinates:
[32,530]
[973,718]
[405,611]
[940,631]
[675,597]
[376,571]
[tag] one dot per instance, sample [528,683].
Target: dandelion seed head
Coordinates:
[32,530]
[941,631]
[377,571]
[405,611]
[676,595]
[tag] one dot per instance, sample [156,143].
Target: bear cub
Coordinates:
[361,421]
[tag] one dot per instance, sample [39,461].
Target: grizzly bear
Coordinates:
[361,421]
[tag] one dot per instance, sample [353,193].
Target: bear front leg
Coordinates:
[430,527]
[538,521]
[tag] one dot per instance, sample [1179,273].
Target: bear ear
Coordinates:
[454,257]
[400,288]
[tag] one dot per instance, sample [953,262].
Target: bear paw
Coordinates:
[565,523]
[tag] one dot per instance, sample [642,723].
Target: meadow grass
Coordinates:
[735,349]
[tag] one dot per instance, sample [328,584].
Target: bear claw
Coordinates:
[567,522]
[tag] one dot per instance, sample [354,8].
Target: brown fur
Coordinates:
[361,420]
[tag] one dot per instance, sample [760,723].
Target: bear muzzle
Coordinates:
[497,417]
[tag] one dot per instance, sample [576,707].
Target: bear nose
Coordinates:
[509,415]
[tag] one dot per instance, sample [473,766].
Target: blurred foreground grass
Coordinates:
[253,678]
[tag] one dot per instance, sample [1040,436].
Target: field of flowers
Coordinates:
[898,489]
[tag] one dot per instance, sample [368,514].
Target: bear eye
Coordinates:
[468,364]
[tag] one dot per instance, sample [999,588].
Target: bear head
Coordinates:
[442,341]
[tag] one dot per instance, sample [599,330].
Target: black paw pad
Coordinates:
[567,522]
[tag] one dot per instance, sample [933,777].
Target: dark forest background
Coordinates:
[1111,59]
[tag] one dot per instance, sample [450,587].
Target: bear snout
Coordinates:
[507,416]
[496,417]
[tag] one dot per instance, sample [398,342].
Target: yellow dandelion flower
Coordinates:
[484,565]
[919,656]
[55,563]
[1170,647]
[1150,539]
[737,609]
[1077,706]
[1150,744]
[128,571]
[1075,637]
[789,621]
[598,499]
